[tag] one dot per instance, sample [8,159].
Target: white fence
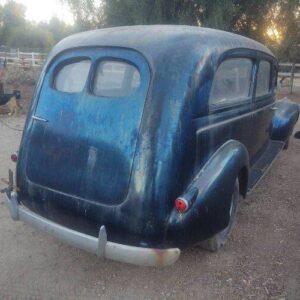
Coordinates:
[23,59]
[289,75]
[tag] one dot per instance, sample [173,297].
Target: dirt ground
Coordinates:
[260,261]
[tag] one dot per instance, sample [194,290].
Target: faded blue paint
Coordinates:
[87,137]
[168,137]
[284,120]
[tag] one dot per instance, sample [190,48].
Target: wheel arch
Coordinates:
[284,120]
[209,195]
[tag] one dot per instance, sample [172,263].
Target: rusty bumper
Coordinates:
[100,246]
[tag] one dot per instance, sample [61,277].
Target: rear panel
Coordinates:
[86,144]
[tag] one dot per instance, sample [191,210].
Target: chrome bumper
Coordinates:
[100,246]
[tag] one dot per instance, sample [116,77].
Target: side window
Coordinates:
[232,83]
[71,78]
[263,86]
[116,79]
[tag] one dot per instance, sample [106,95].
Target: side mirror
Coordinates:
[297,135]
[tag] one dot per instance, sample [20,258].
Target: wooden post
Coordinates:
[292,77]
[18,55]
[32,59]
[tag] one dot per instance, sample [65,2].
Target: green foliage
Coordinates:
[288,20]
[241,16]
[29,36]
[57,28]
[12,15]
[251,18]
[17,32]
[87,13]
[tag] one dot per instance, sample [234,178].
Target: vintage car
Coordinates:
[140,140]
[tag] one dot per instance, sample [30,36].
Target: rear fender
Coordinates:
[284,120]
[209,196]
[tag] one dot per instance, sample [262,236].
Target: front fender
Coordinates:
[209,205]
[284,120]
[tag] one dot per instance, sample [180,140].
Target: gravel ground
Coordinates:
[261,260]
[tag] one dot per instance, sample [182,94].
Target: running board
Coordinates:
[261,167]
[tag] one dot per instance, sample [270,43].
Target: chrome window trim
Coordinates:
[200,130]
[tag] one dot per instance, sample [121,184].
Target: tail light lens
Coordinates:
[14,157]
[181,205]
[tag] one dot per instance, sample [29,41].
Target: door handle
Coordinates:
[35,118]
[274,108]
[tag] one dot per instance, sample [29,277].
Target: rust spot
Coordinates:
[160,255]
[165,257]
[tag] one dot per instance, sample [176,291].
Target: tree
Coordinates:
[1,26]
[17,32]
[240,16]
[287,21]
[57,28]
[87,13]
[30,36]
[256,19]
[13,15]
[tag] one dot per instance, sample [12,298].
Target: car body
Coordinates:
[124,121]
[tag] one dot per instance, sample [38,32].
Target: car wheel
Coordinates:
[297,135]
[217,241]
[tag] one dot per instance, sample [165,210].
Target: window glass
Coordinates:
[116,79]
[263,78]
[72,77]
[232,82]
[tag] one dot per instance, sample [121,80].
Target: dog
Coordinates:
[11,103]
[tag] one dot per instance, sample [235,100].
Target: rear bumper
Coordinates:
[100,246]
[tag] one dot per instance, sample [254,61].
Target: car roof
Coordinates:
[157,40]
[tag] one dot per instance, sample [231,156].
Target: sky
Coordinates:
[44,10]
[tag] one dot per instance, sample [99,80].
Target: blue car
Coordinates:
[140,140]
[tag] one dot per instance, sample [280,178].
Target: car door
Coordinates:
[85,127]
[263,109]
[230,108]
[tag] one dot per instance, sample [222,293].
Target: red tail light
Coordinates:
[181,205]
[14,157]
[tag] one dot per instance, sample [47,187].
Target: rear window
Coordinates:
[263,78]
[231,83]
[116,79]
[71,78]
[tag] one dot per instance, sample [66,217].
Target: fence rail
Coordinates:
[289,72]
[292,69]
[23,59]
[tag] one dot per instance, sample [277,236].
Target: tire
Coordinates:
[297,135]
[217,241]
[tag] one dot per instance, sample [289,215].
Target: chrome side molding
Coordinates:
[35,118]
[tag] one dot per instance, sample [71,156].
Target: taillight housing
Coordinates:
[14,157]
[181,205]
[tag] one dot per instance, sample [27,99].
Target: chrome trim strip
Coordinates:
[207,127]
[39,119]
[100,246]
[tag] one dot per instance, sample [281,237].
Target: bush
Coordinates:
[16,76]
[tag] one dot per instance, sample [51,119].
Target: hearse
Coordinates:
[140,140]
